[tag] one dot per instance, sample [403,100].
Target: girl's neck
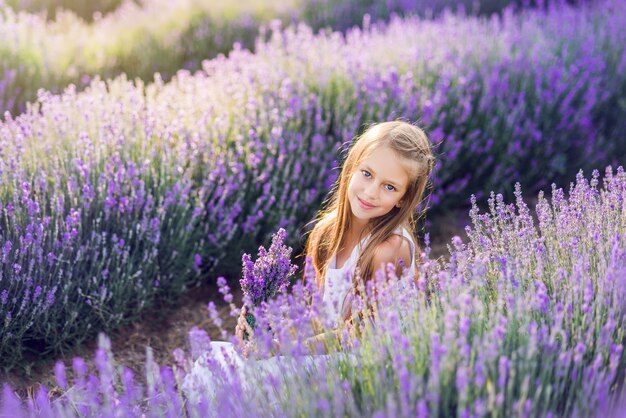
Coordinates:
[358,229]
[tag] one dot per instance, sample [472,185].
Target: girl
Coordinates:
[367,224]
[371,216]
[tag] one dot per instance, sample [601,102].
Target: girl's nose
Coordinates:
[371,192]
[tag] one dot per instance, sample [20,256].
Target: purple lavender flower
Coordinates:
[269,274]
[59,373]
[6,250]
[197,260]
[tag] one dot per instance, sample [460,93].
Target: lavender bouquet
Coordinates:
[268,275]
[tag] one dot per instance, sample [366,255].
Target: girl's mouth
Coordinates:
[364,205]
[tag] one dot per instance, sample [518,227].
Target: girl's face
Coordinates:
[377,185]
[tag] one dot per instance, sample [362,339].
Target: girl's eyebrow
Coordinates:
[368,168]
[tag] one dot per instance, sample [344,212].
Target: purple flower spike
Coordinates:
[270,273]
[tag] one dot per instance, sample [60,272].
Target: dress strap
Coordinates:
[404,233]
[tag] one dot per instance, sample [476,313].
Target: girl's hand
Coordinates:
[241,325]
[275,351]
[325,342]
[316,344]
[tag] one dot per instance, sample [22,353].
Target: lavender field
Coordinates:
[120,195]
[524,319]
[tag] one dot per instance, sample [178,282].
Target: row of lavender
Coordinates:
[128,192]
[526,319]
[141,38]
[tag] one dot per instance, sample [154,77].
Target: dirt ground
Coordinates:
[166,329]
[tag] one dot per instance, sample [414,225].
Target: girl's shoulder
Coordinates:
[391,249]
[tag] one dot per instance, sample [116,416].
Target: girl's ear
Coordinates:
[399,204]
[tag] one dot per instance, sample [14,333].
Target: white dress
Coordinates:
[200,380]
[339,280]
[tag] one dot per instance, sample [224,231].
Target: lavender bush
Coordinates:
[127,194]
[524,319]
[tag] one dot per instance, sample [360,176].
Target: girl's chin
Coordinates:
[360,217]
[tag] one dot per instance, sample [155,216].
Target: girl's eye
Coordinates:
[366,173]
[390,187]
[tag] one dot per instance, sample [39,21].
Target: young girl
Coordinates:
[368,223]
[371,217]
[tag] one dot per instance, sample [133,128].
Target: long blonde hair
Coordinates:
[332,223]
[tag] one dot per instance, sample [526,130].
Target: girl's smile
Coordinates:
[364,204]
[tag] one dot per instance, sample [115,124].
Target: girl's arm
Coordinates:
[394,248]
[322,343]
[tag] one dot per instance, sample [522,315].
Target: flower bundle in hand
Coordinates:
[268,275]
